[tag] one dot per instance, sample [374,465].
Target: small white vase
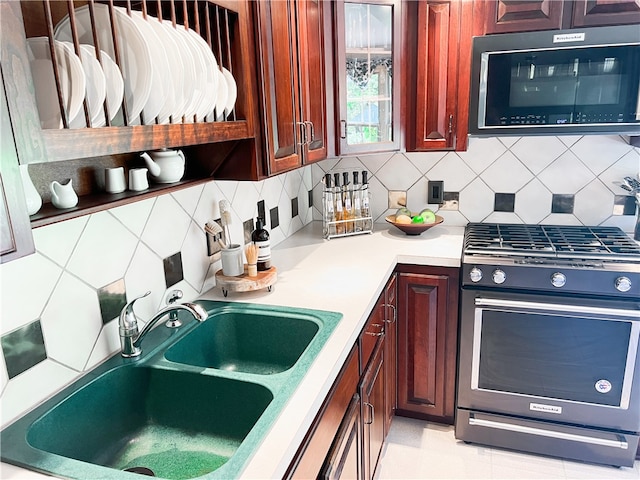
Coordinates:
[33,199]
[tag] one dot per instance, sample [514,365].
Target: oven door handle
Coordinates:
[556,307]
[548,433]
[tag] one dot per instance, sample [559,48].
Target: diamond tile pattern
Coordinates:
[533,169]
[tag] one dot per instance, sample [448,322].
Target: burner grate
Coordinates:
[557,241]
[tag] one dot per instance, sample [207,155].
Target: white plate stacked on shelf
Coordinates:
[161,99]
[134,53]
[72,81]
[96,87]
[169,73]
[114,85]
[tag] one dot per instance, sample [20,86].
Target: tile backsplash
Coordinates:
[551,180]
[58,305]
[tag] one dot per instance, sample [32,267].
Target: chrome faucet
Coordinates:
[130,337]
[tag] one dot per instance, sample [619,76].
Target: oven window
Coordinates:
[554,356]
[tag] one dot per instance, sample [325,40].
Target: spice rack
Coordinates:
[346,205]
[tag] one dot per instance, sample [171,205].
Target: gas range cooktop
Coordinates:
[552,242]
[551,258]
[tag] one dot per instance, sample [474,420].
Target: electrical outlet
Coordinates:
[435,192]
[213,246]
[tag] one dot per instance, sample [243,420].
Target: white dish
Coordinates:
[95,88]
[198,82]
[212,76]
[135,55]
[175,70]
[72,81]
[221,100]
[232,92]
[157,103]
[185,71]
[114,85]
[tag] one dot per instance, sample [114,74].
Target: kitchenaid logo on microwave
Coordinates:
[568,37]
[540,407]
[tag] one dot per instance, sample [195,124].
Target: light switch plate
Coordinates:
[435,192]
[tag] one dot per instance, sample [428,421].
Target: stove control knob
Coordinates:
[623,284]
[475,275]
[558,279]
[499,276]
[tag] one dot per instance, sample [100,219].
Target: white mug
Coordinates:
[138,179]
[232,264]
[114,180]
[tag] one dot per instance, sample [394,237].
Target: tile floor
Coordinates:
[419,450]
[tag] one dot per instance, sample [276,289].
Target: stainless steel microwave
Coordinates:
[556,82]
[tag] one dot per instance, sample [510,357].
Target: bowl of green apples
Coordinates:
[414,223]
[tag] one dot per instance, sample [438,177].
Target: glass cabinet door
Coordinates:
[368,76]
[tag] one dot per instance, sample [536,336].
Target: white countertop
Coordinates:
[345,275]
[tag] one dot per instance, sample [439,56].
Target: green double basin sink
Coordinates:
[196,404]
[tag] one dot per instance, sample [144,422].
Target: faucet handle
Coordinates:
[128,319]
[174,296]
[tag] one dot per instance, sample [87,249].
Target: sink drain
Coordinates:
[141,470]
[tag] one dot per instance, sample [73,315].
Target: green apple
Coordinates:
[428,216]
[403,211]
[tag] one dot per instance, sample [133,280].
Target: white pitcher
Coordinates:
[63,195]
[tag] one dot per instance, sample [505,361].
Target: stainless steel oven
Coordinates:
[549,359]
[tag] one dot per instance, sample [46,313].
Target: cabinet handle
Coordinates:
[395,316]
[312,133]
[450,124]
[380,333]
[343,129]
[372,413]
[303,133]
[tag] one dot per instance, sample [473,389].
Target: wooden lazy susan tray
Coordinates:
[245,283]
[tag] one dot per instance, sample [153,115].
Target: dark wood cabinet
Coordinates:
[441,34]
[427,341]
[291,56]
[390,349]
[15,228]
[505,16]
[372,391]
[344,460]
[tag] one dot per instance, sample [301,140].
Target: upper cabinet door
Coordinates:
[15,229]
[525,15]
[368,47]
[508,16]
[594,13]
[313,78]
[278,52]
[439,107]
